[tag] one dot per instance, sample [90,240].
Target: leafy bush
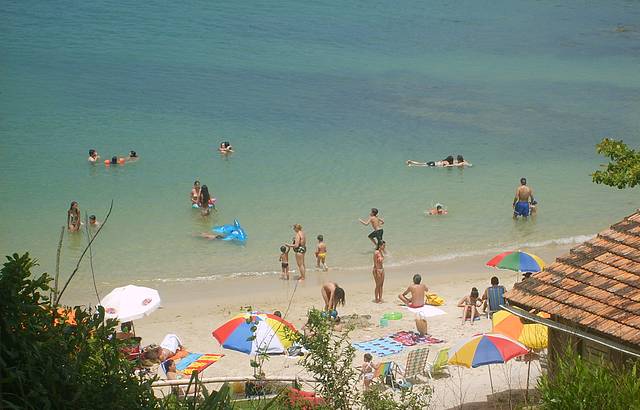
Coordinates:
[48,363]
[579,384]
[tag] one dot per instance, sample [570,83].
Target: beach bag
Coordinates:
[433,299]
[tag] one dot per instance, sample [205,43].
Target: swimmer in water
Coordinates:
[73,217]
[460,162]
[438,210]
[195,192]
[133,156]
[93,222]
[93,156]
[210,236]
[443,163]
[225,148]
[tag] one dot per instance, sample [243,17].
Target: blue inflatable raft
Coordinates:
[231,232]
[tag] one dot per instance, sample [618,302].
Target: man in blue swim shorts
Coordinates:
[524,196]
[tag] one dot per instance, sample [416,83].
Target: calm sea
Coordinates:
[323,102]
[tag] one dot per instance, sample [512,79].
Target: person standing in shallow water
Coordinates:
[203,200]
[299,247]
[73,217]
[522,200]
[378,271]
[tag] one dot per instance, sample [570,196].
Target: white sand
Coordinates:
[194,309]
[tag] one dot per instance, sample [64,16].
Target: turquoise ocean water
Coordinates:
[323,102]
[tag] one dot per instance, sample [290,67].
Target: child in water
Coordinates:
[284,262]
[321,254]
[438,210]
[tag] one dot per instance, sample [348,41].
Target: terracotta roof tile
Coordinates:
[597,284]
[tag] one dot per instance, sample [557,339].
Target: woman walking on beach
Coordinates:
[73,217]
[378,271]
[299,247]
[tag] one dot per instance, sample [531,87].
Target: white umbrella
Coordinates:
[130,303]
[427,311]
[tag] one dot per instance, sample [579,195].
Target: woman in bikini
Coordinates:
[469,305]
[299,247]
[203,200]
[73,217]
[378,271]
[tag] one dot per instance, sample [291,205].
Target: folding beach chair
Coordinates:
[416,366]
[439,364]
[495,298]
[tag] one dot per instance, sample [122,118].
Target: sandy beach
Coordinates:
[193,309]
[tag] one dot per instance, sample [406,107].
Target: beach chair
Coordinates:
[439,364]
[416,365]
[495,298]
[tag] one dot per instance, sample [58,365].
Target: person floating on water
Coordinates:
[225,148]
[93,156]
[133,156]
[438,210]
[449,161]
[522,200]
[376,223]
[321,254]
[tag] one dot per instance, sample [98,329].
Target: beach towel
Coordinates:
[413,338]
[202,363]
[426,311]
[380,347]
[187,360]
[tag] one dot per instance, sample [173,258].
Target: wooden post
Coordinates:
[490,378]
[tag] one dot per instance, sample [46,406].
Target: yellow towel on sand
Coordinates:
[433,299]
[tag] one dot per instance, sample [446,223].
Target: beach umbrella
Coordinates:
[253,332]
[518,261]
[534,336]
[130,303]
[485,349]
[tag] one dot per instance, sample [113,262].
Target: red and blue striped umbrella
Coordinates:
[518,261]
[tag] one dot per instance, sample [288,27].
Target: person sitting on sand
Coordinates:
[93,156]
[332,295]
[438,210]
[469,305]
[417,290]
[492,297]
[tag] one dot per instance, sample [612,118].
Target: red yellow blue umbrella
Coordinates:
[252,333]
[518,261]
[485,349]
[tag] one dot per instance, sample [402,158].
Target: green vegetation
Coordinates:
[579,384]
[48,363]
[623,169]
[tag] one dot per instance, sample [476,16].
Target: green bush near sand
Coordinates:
[579,384]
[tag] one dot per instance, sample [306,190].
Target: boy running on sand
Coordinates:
[284,262]
[321,254]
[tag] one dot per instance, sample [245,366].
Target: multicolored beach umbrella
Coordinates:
[486,348]
[253,332]
[518,261]
[532,335]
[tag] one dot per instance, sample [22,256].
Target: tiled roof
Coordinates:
[596,285]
